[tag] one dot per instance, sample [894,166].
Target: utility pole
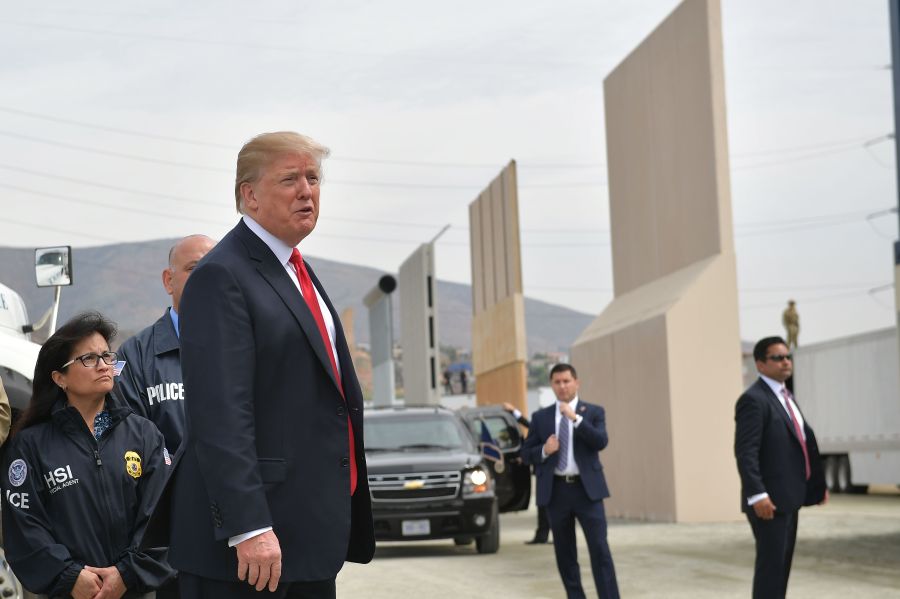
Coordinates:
[894,12]
[895,71]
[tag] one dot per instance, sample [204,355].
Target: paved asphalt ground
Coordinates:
[848,548]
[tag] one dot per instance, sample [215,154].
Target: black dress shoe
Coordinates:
[537,541]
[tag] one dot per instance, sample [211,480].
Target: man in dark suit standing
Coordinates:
[271,487]
[778,461]
[563,444]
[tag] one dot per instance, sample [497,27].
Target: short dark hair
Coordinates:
[53,354]
[563,367]
[761,349]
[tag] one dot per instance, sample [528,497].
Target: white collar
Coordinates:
[281,250]
[774,385]
[573,403]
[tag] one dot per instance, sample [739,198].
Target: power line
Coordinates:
[809,156]
[102,152]
[45,227]
[381,184]
[294,50]
[819,299]
[831,146]
[773,226]
[131,132]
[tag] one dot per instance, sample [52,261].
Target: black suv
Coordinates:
[429,478]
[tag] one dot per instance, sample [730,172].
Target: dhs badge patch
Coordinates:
[18,470]
[133,464]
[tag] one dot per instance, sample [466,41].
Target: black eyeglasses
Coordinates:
[780,357]
[91,360]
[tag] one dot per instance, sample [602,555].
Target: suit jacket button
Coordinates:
[340,411]
[345,462]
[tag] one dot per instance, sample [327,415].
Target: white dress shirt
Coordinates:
[571,467]
[282,253]
[778,389]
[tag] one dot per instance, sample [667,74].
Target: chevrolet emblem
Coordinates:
[412,485]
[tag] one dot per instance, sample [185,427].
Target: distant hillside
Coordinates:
[123,281]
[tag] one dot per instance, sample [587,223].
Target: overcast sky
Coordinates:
[121,122]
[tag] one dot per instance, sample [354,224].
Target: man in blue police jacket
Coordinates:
[151,379]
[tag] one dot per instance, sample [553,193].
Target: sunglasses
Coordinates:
[780,357]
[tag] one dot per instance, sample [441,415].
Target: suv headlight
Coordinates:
[477,481]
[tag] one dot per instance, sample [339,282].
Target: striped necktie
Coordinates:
[309,294]
[563,437]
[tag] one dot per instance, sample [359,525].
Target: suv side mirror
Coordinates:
[53,266]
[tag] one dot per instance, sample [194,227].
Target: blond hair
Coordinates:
[262,150]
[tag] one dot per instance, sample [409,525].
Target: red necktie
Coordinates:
[309,294]
[787,402]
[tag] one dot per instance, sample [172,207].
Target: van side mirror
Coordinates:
[53,266]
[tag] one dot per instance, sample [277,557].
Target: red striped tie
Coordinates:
[309,294]
[797,430]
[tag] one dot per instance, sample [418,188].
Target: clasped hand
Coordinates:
[99,583]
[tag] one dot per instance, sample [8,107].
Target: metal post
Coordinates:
[381,340]
[56,295]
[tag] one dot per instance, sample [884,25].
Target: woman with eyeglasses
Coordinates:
[82,475]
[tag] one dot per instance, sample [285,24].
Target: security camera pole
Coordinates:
[381,338]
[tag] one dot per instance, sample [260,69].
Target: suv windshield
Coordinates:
[431,431]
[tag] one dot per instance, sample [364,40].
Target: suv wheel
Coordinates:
[490,541]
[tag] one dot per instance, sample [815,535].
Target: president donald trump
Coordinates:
[270,496]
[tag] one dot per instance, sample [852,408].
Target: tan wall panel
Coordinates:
[498,335]
[488,245]
[498,237]
[638,460]
[667,149]
[664,357]
[513,246]
[495,241]
[705,382]
[477,252]
[507,383]
[498,323]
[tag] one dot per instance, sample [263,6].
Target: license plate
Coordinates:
[413,528]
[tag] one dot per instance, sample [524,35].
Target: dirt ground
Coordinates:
[850,547]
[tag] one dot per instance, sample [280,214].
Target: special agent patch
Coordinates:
[133,464]
[18,470]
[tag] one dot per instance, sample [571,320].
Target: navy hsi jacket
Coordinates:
[72,501]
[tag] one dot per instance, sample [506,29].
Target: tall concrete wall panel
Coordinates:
[498,322]
[419,328]
[664,356]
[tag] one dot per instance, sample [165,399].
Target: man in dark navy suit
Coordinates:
[563,444]
[271,486]
[778,460]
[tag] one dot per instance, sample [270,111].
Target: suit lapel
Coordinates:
[277,277]
[551,426]
[778,407]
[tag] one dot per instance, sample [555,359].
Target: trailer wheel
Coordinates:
[830,466]
[845,477]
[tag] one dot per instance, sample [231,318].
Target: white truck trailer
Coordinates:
[849,389]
